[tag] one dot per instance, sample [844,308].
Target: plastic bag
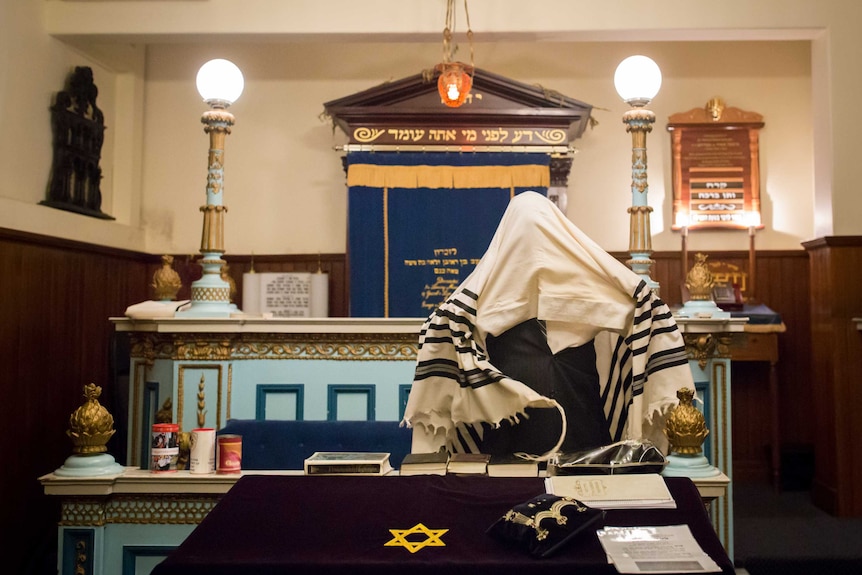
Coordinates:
[627,456]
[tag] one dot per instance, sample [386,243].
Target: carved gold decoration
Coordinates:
[702,347]
[686,427]
[723,342]
[218,347]
[181,394]
[166,509]
[149,347]
[83,512]
[166,413]
[640,234]
[218,120]
[202,404]
[90,426]
[80,557]
[553,136]
[212,234]
[366,135]
[184,443]
[380,347]
[214,347]
[707,114]
[699,347]
[639,115]
[166,281]
[715,108]
[140,510]
[225,275]
[328,351]
[699,280]
[210,294]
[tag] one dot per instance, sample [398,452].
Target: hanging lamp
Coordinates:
[455,78]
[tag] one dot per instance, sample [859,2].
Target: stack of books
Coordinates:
[441,463]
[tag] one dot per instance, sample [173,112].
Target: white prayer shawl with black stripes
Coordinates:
[540,265]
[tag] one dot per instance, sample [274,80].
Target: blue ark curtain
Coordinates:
[419,222]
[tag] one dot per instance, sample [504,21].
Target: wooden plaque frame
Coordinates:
[716,167]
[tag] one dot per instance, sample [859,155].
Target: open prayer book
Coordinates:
[632,490]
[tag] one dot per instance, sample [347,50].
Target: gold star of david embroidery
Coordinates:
[432,538]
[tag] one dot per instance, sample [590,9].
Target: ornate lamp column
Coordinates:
[219,83]
[637,80]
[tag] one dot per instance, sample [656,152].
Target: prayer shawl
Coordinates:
[540,265]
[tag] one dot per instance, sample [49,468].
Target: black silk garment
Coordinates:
[569,377]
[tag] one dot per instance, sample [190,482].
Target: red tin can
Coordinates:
[229,454]
[165,447]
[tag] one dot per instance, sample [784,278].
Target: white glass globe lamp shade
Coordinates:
[220,83]
[637,80]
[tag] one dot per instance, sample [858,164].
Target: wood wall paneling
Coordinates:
[55,300]
[836,274]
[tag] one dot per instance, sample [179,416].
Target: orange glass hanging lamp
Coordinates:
[456,78]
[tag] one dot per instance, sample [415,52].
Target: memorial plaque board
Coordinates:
[716,175]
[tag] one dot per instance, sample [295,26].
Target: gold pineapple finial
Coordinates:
[686,427]
[699,280]
[166,281]
[90,426]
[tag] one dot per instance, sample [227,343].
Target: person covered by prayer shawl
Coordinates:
[549,345]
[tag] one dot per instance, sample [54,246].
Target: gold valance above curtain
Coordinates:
[450,177]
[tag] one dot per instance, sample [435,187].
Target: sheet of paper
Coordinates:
[666,549]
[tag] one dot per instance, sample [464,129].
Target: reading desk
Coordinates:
[377,525]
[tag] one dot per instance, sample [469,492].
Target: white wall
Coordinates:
[33,68]
[284,184]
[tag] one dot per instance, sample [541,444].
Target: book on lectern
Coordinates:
[347,463]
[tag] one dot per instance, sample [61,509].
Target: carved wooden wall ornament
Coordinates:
[79,130]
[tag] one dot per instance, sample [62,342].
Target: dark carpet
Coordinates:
[785,533]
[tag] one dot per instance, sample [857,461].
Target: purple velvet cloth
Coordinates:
[326,524]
